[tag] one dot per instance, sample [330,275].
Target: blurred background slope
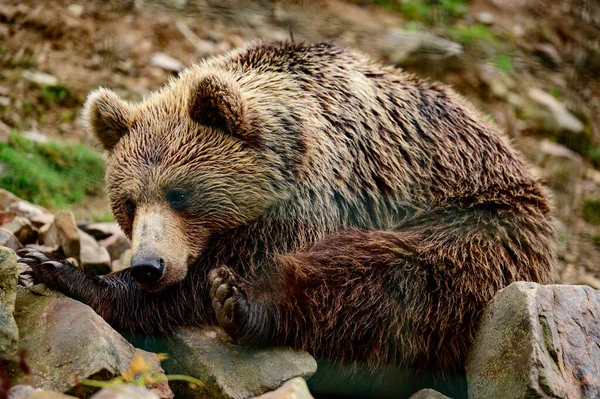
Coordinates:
[532,66]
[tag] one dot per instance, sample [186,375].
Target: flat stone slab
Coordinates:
[538,341]
[228,370]
[66,341]
[9,274]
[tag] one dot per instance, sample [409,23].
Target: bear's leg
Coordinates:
[350,294]
[409,297]
[116,296]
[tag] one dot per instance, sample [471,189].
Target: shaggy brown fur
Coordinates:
[339,205]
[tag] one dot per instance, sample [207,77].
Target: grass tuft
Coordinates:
[50,174]
[591,211]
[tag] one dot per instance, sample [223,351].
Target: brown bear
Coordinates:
[305,195]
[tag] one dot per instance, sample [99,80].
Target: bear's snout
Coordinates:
[147,270]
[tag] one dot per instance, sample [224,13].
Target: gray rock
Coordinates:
[8,239]
[76,10]
[4,132]
[428,394]
[63,233]
[228,370]
[66,341]
[35,136]
[22,228]
[101,231]
[537,341]
[548,54]
[562,169]
[485,17]
[295,388]
[40,78]
[123,262]
[7,198]
[552,112]
[403,47]
[95,259]
[125,392]
[41,220]
[29,392]
[26,209]
[498,82]
[166,62]
[9,274]
[25,277]
[116,245]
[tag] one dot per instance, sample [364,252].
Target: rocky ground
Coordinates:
[533,342]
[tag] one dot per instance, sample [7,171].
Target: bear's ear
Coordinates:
[106,117]
[217,101]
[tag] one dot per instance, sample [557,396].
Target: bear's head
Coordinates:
[184,165]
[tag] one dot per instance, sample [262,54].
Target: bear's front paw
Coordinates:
[229,301]
[44,267]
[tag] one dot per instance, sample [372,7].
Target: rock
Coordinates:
[205,48]
[498,82]
[548,54]
[125,392]
[537,341]
[295,388]
[428,394]
[116,245]
[29,392]
[27,209]
[25,278]
[63,233]
[485,17]
[4,132]
[166,62]
[22,229]
[588,279]
[562,170]
[231,371]
[43,219]
[7,198]
[76,10]
[7,239]
[6,217]
[4,101]
[9,275]
[40,78]
[123,262]
[66,341]
[35,136]
[101,231]
[95,259]
[403,47]
[558,114]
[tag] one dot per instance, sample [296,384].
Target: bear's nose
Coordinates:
[147,270]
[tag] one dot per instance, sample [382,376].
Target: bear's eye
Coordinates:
[177,198]
[130,207]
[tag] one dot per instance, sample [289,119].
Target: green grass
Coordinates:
[51,174]
[103,218]
[472,34]
[55,94]
[504,63]
[427,11]
[591,211]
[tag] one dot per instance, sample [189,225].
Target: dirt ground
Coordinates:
[517,45]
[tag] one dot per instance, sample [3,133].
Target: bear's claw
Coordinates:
[44,268]
[228,300]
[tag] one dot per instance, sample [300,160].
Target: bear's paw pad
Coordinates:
[228,300]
